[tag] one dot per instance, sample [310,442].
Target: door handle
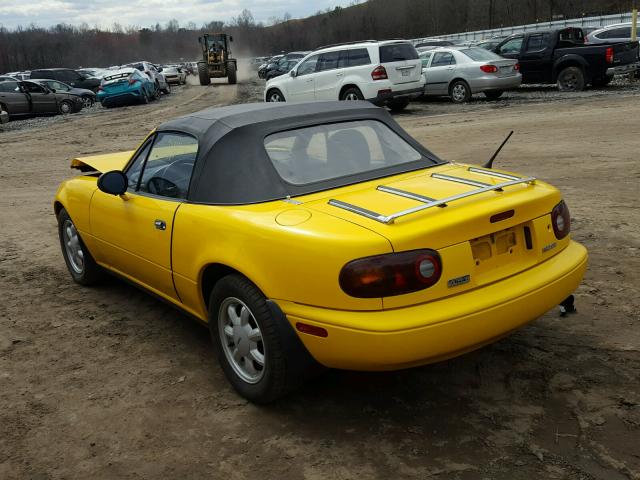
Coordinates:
[160,224]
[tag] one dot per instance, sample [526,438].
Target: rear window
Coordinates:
[480,54]
[323,152]
[397,52]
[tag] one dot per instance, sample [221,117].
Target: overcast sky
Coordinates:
[147,12]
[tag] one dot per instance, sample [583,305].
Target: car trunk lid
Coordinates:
[482,232]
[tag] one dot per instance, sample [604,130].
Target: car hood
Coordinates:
[102,163]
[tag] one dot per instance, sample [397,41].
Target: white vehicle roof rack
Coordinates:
[429,202]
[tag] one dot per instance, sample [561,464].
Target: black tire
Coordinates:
[90,273]
[351,93]
[145,98]
[275,95]
[460,92]
[167,89]
[571,79]
[232,76]
[274,382]
[601,82]
[203,74]
[65,107]
[398,104]
[494,94]
[156,92]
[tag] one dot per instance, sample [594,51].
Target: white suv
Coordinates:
[385,73]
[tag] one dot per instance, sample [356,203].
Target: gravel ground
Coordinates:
[107,382]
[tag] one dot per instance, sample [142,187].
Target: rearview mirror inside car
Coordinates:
[114,182]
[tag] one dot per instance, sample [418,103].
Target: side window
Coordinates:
[308,66]
[442,59]
[135,167]
[9,87]
[167,171]
[512,46]
[358,56]
[328,61]
[34,88]
[536,43]
[59,87]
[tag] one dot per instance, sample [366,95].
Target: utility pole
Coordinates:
[634,21]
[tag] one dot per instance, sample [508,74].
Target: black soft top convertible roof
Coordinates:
[233,166]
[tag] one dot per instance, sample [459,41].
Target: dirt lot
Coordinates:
[109,383]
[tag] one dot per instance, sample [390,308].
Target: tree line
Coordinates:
[30,47]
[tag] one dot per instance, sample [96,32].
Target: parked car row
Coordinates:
[391,73]
[25,98]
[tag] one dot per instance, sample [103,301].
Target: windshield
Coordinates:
[481,55]
[323,152]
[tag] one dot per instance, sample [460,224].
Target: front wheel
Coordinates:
[460,92]
[245,336]
[65,107]
[493,94]
[571,79]
[275,95]
[81,265]
[232,73]
[87,101]
[203,74]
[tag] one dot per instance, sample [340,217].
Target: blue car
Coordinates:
[125,86]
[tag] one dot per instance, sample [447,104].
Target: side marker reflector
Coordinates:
[311,330]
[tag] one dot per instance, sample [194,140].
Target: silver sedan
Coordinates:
[459,72]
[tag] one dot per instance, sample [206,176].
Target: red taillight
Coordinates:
[516,67]
[379,73]
[133,81]
[489,68]
[609,55]
[561,220]
[391,274]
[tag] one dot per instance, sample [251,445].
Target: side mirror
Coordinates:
[293,73]
[160,69]
[114,182]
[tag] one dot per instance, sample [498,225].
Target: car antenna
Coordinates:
[489,164]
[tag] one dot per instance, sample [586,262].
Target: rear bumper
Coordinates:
[487,83]
[4,117]
[123,98]
[441,329]
[623,69]
[384,96]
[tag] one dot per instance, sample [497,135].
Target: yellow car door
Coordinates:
[133,231]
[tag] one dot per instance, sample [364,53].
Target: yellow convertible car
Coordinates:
[319,234]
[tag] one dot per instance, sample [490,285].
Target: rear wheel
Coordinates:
[245,336]
[65,107]
[275,95]
[144,97]
[203,74]
[81,265]
[231,73]
[156,91]
[460,92]
[352,93]
[493,94]
[398,104]
[571,79]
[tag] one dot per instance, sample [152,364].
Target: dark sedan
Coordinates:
[88,97]
[30,98]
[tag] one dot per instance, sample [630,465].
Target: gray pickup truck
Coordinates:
[562,57]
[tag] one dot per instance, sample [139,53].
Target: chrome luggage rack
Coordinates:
[432,202]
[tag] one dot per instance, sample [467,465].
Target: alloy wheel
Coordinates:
[73,247]
[241,340]
[459,92]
